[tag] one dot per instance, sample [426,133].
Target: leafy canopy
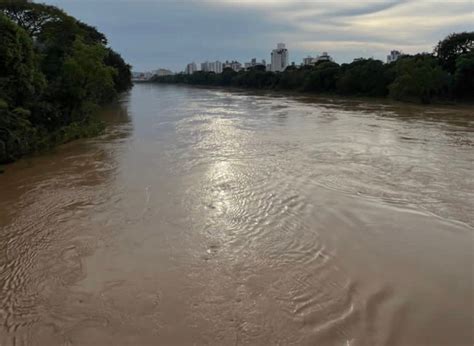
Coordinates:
[54,72]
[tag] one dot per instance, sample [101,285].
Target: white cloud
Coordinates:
[171,33]
[362,26]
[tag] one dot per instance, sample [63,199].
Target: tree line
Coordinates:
[445,74]
[55,71]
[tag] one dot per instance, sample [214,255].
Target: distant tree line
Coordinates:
[55,71]
[445,74]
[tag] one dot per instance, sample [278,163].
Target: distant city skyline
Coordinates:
[152,34]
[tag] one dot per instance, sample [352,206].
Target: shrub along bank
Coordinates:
[55,72]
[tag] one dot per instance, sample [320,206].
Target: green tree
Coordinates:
[20,80]
[464,76]
[454,45]
[123,77]
[31,17]
[85,79]
[364,77]
[419,78]
[322,78]
[228,74]
[20,85]
[55,43]
[54,72]
[91,34]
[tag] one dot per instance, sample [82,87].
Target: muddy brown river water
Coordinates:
[214,217]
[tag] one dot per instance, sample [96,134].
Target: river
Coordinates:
[229,218]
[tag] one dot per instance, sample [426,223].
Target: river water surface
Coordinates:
[225,218]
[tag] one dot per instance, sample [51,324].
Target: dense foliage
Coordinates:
[55,71]
[446,74]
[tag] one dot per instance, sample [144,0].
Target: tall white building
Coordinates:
[394,56]
[280,58]
[215,66]
[205,66]
[212,67]
[191,68]
[218,67]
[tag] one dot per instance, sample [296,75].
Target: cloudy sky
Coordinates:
[170,33]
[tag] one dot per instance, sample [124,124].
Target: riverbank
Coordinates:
[30,142]
[54,79]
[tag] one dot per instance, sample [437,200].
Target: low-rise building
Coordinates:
[162,72]
[254,63]
[323,57]
[234,65]
[308,61]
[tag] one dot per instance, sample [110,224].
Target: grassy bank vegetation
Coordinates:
[55,73]
[446,74]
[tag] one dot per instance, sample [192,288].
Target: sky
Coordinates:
[152,34]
